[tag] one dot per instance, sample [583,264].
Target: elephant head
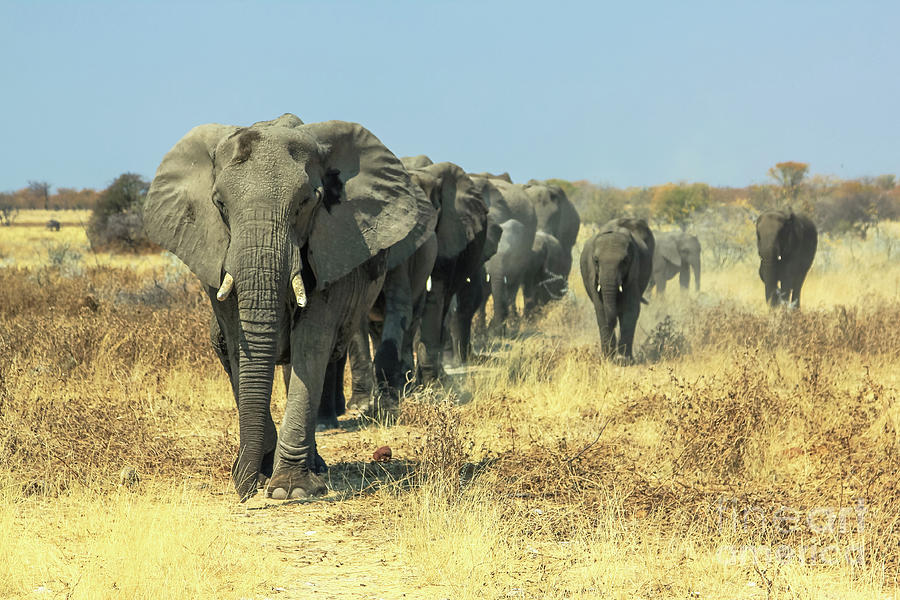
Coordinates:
[776,239]
[546,206]
[266,214]
[462,210]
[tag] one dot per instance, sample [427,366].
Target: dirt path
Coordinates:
[336,547]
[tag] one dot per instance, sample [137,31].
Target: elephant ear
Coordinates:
[669,250]
[179,213]
[379,207]
[416,162]
[638,241]
[463,212]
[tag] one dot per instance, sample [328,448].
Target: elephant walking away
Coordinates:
[787,246]
[616,265]
[676,253]
[289,226]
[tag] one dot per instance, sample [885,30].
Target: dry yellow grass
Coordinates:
[579,478]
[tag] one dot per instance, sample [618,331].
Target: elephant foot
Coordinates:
[623,360]
[359,400]
[330,422]
[289,483]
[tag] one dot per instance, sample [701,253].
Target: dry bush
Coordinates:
[83,378]
[868,331]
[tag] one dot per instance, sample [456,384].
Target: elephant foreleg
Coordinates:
[430,348]
[397,318]
[360,357]
[468,300]
[333,403]
[627,325]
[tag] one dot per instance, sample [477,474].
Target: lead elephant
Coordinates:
[787,246]
[616,265]
[288,226]
[676,253]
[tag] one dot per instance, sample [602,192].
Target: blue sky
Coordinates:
[624,93]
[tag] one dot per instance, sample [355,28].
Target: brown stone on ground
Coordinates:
[383,454]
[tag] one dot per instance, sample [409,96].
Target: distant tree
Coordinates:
[676,203]
[41,191]
[885,182]
[790,176]
[117,221]
[70,198]
[8,210]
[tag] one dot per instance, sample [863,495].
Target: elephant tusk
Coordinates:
[620,288]
[227,284]
[598,288]
[299,290]
[487,278]
[428,284]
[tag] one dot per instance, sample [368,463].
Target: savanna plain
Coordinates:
[749,452]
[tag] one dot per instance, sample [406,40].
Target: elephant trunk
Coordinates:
[609,293]
[261,281]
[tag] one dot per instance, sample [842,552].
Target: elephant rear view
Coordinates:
[616,266]
[787,246]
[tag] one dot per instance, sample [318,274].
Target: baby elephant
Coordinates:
[787,246]
[616,265]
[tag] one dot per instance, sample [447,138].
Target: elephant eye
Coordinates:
[217,200]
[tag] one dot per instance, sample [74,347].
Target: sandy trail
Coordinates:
[335,547]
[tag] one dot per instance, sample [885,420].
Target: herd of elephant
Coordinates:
[313,238]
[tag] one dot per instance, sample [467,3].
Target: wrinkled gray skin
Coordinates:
[391,325]
[547,277]
[787,246]
[510,207]
[676,253]
[270,210]
[616,266]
